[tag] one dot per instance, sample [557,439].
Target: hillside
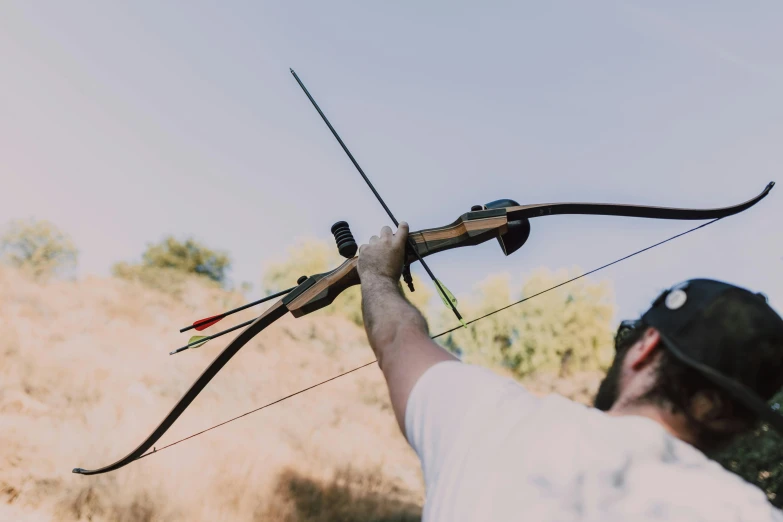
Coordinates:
[86,375]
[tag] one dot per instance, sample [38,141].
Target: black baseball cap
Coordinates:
[729,335]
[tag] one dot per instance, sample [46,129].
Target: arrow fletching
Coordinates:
[448,299]
[196,339]
[199,340]
[193,342]
[203,324]
[445,294]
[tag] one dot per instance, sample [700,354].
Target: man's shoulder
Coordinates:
[480,430]
[474,380]
[671,475]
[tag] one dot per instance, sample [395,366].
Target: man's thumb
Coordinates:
[402,232]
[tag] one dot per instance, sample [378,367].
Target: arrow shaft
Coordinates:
[372,188]
[213,336]
[218,317]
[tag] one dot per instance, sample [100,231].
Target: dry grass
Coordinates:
[349,496]
[85,375]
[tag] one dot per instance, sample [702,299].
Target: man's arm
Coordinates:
[396,330]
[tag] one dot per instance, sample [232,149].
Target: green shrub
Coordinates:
[38,248]
[758,458]
[565,330]
[168,265]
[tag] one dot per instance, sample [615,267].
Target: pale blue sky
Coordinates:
[124,123]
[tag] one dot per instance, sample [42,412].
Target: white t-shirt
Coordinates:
[492,451]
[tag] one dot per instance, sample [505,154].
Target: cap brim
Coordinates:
[736,389]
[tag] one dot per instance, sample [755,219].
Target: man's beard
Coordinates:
[609,389]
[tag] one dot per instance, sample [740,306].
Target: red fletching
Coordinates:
[203,324]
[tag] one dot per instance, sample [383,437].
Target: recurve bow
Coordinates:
[504,220]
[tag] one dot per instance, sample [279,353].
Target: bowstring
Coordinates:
[157,450]
[594,270]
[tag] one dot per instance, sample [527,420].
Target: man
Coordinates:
[687,378]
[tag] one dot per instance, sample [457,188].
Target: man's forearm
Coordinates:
[396,330]
[388,316]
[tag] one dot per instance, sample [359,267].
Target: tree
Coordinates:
[166,265]
[565,330]
[39,248]
[189,257]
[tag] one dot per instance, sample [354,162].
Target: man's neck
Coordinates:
[675,424]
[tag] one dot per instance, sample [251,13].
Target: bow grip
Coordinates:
[320,290]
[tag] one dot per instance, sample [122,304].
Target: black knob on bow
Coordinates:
[346,244]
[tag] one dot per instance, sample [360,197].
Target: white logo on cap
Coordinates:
[676,299]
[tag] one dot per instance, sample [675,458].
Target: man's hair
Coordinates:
[677,385]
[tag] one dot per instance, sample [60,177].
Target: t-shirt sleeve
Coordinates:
[451,401]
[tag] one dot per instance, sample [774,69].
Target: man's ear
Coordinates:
[709,408]
[643,352]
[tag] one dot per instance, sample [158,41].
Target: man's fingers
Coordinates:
[402,233]
[397,239]
[386,232]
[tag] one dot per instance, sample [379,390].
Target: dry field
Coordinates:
[85,375]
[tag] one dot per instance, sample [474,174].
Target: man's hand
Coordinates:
[384,256]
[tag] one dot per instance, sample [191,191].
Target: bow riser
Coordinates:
[470,229]
[320,290]
[473,228]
